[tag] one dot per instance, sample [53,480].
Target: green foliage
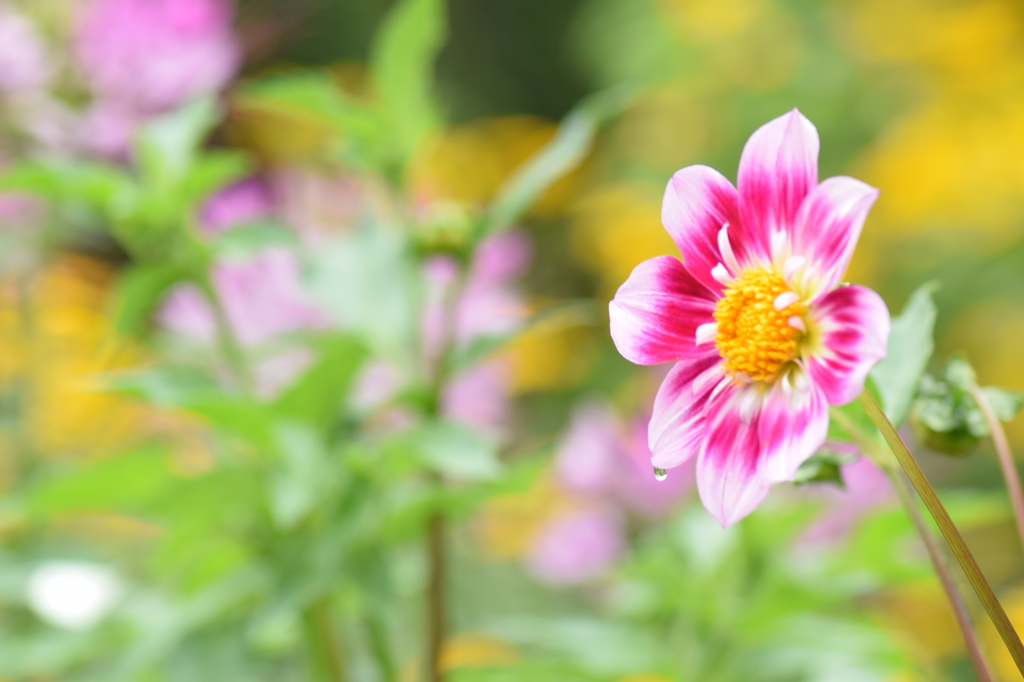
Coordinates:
[562,154]
[402,64]
[945,416]
[910,348]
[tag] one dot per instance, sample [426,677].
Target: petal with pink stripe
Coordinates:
[677,423]
[698,202]
[828,226]
[727,466]
[853,326]
[778,169]
[792,425]
[656,313]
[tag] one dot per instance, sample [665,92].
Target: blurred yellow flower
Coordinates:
[553,353]
[476,650]
[67,343]
[950,163]
[469,163]
[615,228]
[506,526]
[716,19]
[1001,660]
[922,619]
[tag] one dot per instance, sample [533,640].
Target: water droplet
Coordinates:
[660,474]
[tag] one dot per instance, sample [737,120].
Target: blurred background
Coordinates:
[304,363]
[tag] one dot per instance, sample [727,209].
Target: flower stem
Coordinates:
[229,344]
[872,449]
[949,531]
[956,600]
[436,589]
[1006,462]
[325,651]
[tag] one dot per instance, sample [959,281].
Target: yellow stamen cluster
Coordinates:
[753,337]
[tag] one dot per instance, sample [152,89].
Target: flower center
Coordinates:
[755,337]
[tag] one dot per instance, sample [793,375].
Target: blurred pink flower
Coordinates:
[151,55]
[262,298]
[867,488]
[638,489]
[489,305]
[106,129]
[24,63]
[588,455]
[595,459]
[478,397]
[576,547]
[239,203]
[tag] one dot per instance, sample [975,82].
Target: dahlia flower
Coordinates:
[763,333]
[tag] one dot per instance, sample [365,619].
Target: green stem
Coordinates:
[870,447]
[436,616]
[377,634]
[956,600]
[230,347]
[949,531]
[325,651]
[1006,463]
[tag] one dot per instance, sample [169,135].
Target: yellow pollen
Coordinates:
[753,337]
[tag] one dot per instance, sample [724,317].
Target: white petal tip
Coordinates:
[785,299]
[706,333]
[792,265]
[797,322]
[721,275]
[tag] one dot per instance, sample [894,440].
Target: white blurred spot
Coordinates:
[72,594]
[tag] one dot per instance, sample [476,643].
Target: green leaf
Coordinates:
[562,154]
[910,347]
[168,146]
[402,63]
[316,397]
[314,95]
[91,183]
[139,291]
[244,239]
[367,278]
[193,391]
[305,475]
[1005,403]
[823,466]
[122,482]
[211,171]
[455,451]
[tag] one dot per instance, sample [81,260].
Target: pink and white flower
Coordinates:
[763,334]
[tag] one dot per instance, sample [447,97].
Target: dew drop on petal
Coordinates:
[660,474]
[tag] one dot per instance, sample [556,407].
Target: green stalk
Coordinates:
[949,531]
[1006,462]
[230,347]
[870,447]
[325,654]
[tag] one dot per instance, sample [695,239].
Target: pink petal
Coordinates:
[727,466]
[828,226]
[655,314]
[677,422]
[576,547]
[792,426]
[698,202]
[778,169]
[588,453]
[853,325]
